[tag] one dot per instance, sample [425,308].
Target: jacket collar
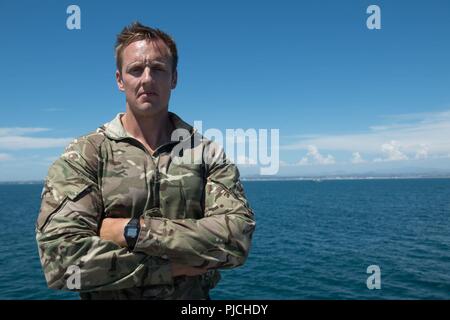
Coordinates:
[115,130]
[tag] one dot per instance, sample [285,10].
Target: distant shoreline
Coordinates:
[319,179]
[23,182]
[315,179]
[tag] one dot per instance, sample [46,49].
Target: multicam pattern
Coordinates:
[195,213]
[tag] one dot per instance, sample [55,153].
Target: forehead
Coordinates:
[146,50]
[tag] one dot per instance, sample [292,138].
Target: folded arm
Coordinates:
[221,239]
[67,232]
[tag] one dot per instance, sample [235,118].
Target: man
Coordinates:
[125,211]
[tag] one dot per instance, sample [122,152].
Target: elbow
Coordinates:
[54,282]
[67,279]
[243,244]
[242,252]
[240,260]
[54,274]
[237,257]
[59,274]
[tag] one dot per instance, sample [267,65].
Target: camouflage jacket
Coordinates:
[195,213]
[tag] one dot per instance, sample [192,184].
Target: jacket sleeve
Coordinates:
[67,232]
[221,239]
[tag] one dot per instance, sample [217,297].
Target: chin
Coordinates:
[148,109]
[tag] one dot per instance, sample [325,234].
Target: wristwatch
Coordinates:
[131,232]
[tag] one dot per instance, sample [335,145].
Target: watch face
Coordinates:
[131,232]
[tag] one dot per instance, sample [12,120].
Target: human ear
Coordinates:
[174,80]
[119,81]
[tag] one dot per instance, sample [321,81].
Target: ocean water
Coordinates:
[313,240]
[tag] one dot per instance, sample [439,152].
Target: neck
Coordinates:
[152,131]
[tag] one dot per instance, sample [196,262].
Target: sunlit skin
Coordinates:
[147,79]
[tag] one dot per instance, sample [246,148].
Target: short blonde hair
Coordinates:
[137,31]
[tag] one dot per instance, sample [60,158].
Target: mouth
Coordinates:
[148,94]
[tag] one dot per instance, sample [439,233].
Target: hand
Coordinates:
[184,270]
[112,229]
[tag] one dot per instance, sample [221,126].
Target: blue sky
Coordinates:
[345,99]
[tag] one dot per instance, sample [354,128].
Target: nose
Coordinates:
[147,76]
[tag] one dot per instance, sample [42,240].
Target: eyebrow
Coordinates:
[140,62]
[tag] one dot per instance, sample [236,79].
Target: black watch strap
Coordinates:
[131,232]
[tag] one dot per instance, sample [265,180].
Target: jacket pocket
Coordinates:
[55,194]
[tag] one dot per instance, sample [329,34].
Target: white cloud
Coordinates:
[314,157]
[5,157]
[303,162]
[18,142]
[419,116]
[428,129]
[422,152]
[357,158]
[392,152]
[320,159]
[16,138]
[18,131]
